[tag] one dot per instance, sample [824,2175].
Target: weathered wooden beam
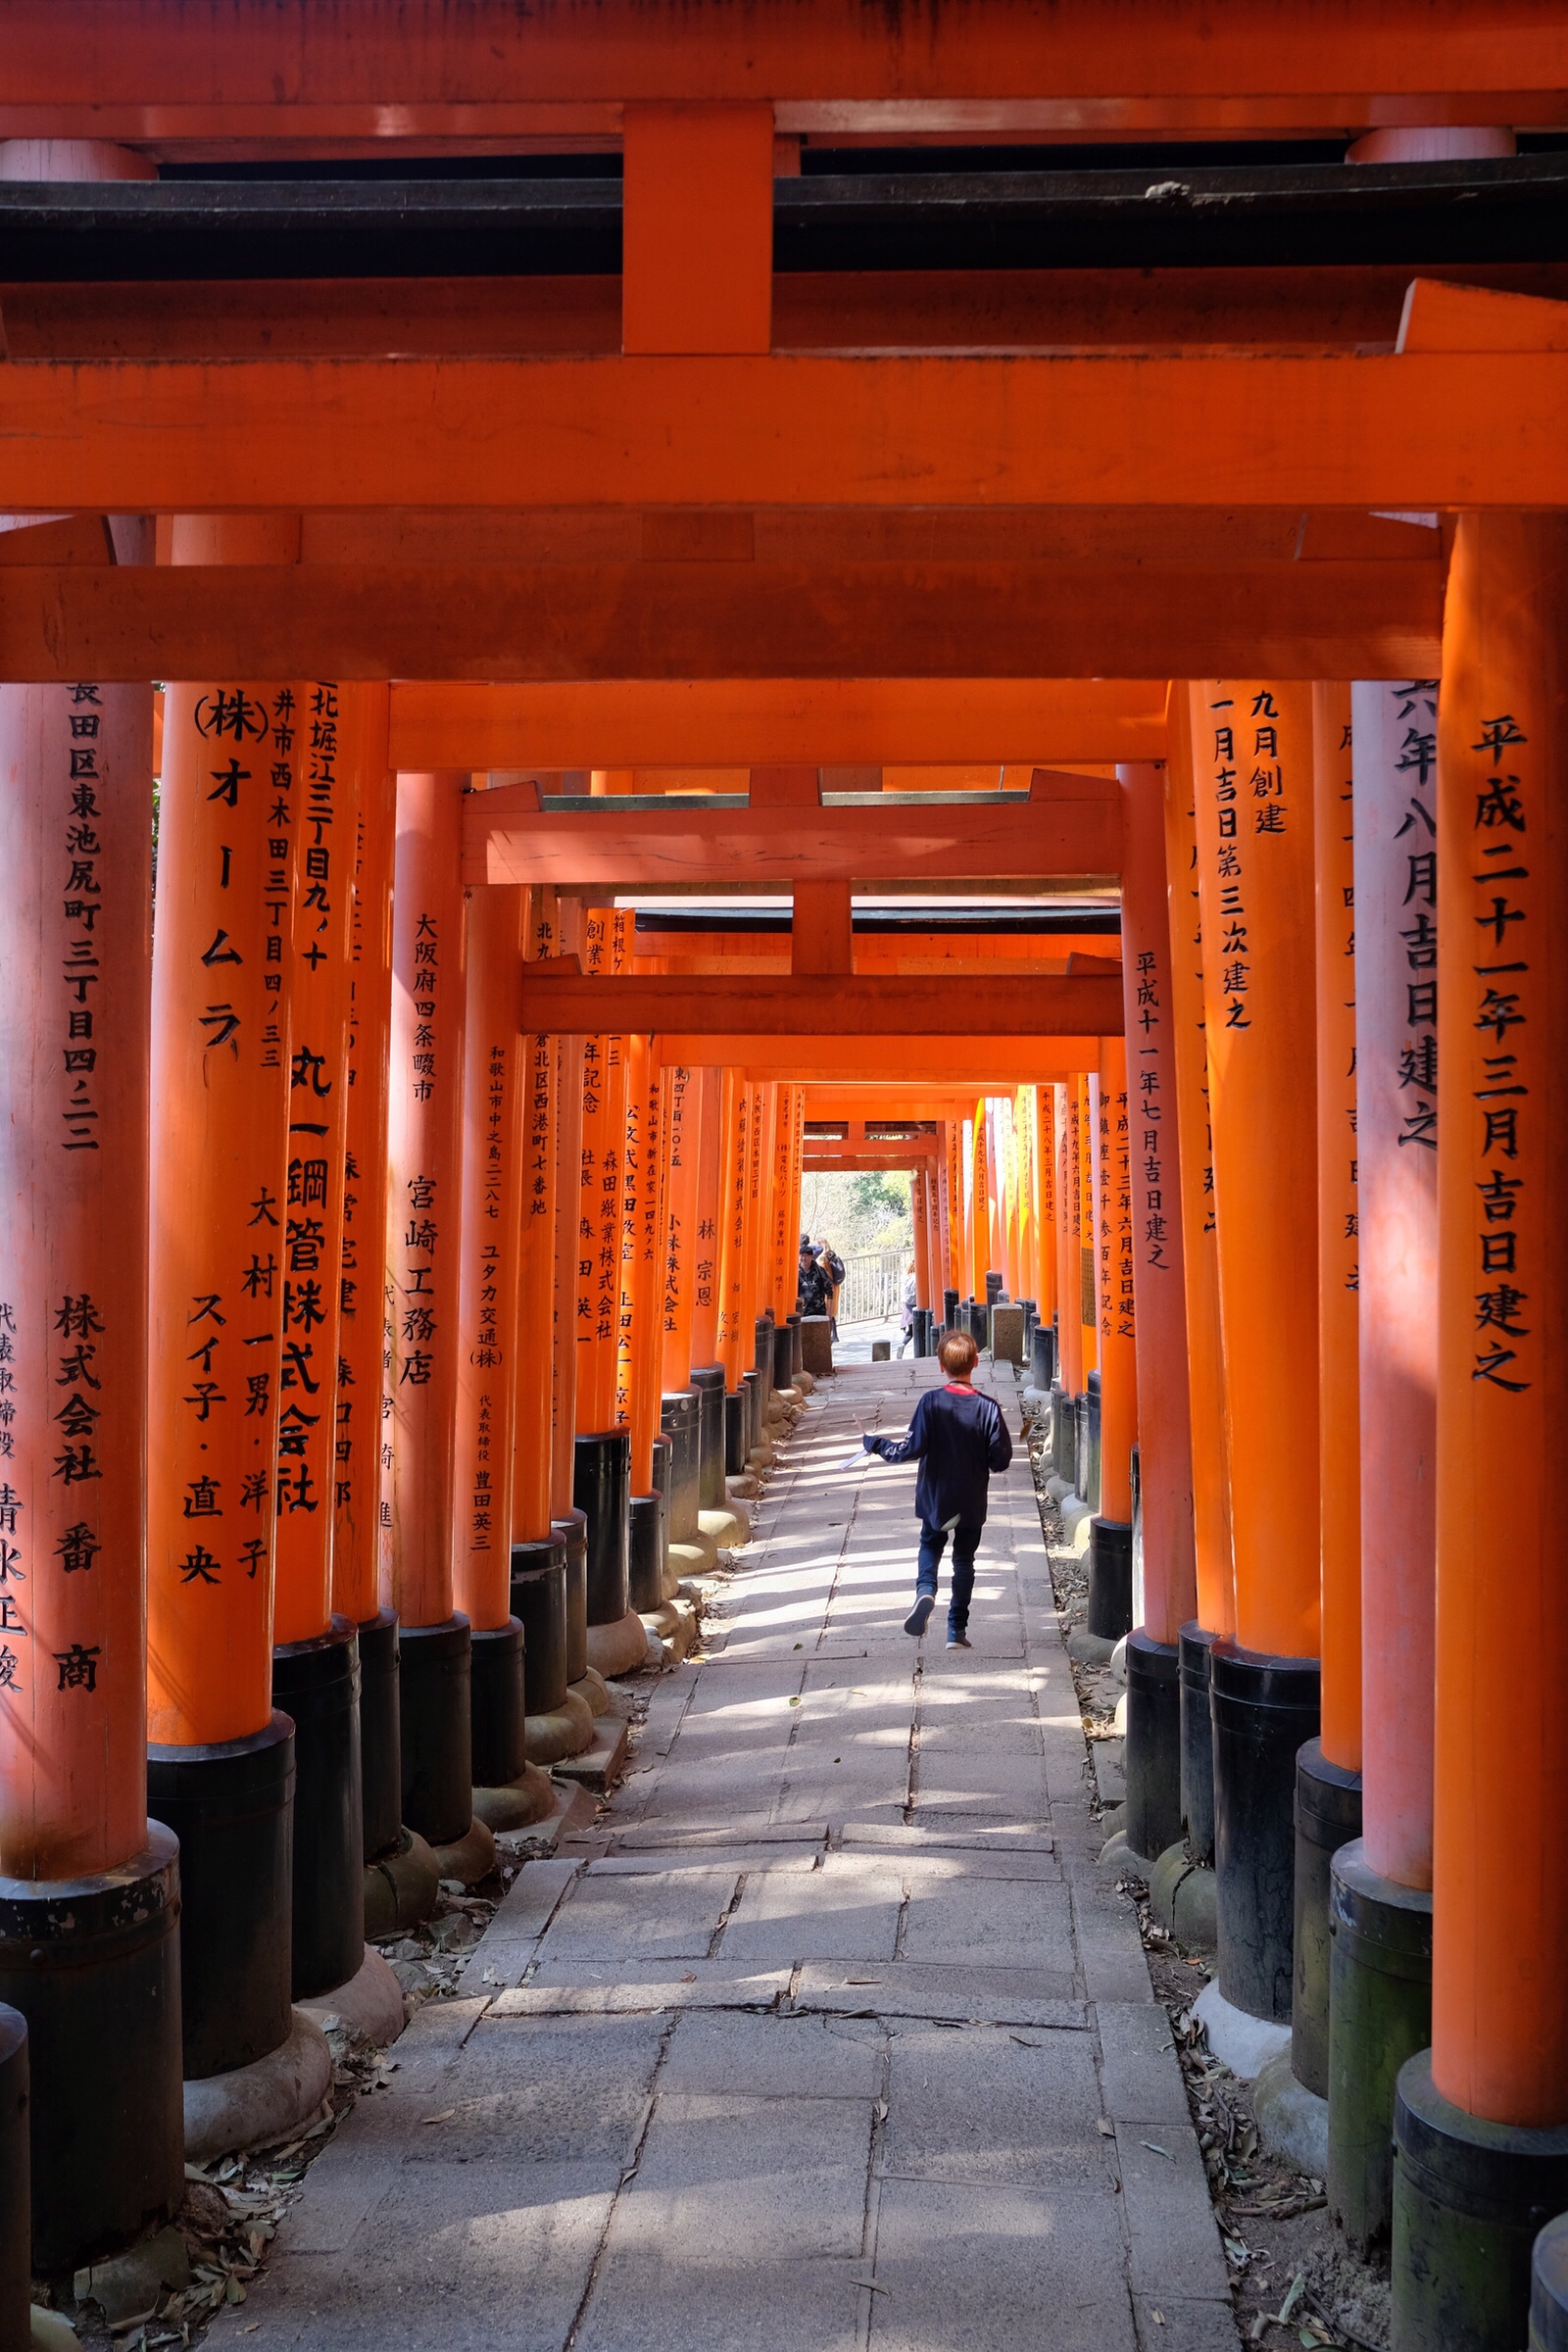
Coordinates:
[712,621]
[1406,431]
[830,722]
[556,997]
[1074,836]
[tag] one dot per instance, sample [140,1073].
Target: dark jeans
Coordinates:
[965,1544]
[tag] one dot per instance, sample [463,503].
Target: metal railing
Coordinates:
[873,1287]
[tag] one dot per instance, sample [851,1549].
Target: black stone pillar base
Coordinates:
[231,1807]
[681,1419]
[1197,1742]
[751,1390]
[783,1356]
[1154,1816]
[380,1736]
[497,1751]
[1549,2288]
[1110,1579]
[601,1489]
[645,1579]
[793,1323]
[1328,1814]
[1263,1710]
[1380,2014]
[709,1381]
[572,1528]
[316,1683]
[1469,2198]
[1043,1357]
[435,1667]
[737,1432]
[539,1602]
[92,1964]
[1064,1438]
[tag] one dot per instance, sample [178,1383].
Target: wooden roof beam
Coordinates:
[556,996]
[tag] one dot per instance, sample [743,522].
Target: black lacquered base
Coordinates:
[380,1736]
[539,1602]
[645,1582]
[602,1492]
[1328,1814]
[709,1381]
[1380,2014]
[1469,2198]
[497,1737]
[1042,1356]
[1193,1646]
[680,1417]
[317,1685]
[572,1527]
[231,1807]
[1549,2288]
[1153,1754]
[16,2183]
[1263,1710]
[93,1966]
[1110,1579]
[736,1431]
[435,1693]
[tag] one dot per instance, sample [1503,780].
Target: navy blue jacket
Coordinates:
[958,1437]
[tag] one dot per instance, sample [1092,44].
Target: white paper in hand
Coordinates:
[855,1460]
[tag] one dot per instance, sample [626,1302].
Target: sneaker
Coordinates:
[959,1641]
[919,1616]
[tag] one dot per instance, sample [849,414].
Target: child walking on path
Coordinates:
[958,1437]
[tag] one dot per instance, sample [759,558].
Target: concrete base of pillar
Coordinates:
[1181,1897]
[761,1457]
[675,1627]
[804,1383]
[747,1487]
[1292,2121]
[729,1529]
[401,1887]
[1242,2042]
[696,1557]
[371,2002]
[254,2105]
[516,1804]
[593,1690]
[620,1647]
[1077,1520]
[563,1730]
[469,1859]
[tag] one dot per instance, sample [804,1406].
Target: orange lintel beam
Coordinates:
[1074,833]
[831,722]
[1409,431]
[986,1064]
[172,69]
[555,998]
[686,620]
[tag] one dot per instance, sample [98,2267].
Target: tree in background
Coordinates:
[865,1211]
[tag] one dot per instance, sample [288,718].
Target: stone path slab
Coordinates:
[827,2036]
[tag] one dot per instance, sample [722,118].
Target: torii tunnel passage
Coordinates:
[694,700]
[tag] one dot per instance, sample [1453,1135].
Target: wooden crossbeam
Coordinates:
[690,621]
[1075,835]
[830,722]
[1404,431]
[555,997]
[970,1067]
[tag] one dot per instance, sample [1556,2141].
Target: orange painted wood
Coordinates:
[683,1140]
[711,1133]
[637,1382]
[425,1192]
[1339,1157]
[1253,765]
[1069,1332]
[75,950]
[820,933]
[1158,1180]
[800,1004]
[1500,2028]
[560,928]
[218,1176]
[734,1110]
[1403,431]
[1118,1315]
[1075,834]
[1086,1087]
[722,723]
[697,235]
[1437,317]
[358,1539]
[536,1342]
[311,1253]
[1205,1360]
[495,1064]
[600,1164]
[703,620]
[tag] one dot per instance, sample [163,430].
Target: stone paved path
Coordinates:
[830,2038]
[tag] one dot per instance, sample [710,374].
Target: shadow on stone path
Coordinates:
[828,2036]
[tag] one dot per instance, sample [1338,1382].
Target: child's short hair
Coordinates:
[957,1352]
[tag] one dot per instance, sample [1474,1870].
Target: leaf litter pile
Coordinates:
[1293,2280]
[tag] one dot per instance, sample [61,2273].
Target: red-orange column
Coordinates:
[980,1236]
[425,1262]
[1252,762]
[1500,2026]
[919,1188]
[680,1226]
[1118,1322]
[570,927]
[735,1107]
[536,1342]
[1211,1493]
[952,1180]
[710,1164]
[1069,1328]
[598,1224]
[1044,1177]
[1087,1295]
[1338,1194]
[1169,1595]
